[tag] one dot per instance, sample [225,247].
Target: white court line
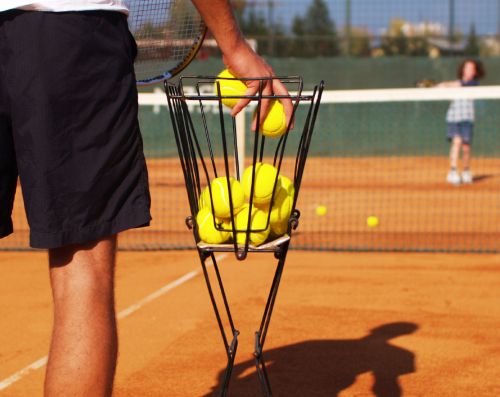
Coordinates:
[4,384]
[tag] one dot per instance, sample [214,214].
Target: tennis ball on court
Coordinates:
[229,88]
[321,210]
[207,230]
[220,196]
[274,124]
[265,177]
[372,221]
[258,221]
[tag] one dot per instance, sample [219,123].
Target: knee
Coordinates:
[457,141]
[82,270]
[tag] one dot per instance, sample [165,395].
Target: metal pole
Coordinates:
[347,29]
[498,28]
[451,23]
[271,27]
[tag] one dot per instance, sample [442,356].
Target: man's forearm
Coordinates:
[221,22]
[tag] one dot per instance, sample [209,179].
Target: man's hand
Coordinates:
[240,58]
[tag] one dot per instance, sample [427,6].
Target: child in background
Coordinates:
[460,119]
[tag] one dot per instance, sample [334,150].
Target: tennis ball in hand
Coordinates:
[207,230]
[258,221]
[265,177]
[274,124]
[220,197]
[372,221]
[229,88]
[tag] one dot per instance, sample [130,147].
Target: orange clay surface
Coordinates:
[417,209]
[412,324]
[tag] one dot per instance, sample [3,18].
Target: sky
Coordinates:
[377,14]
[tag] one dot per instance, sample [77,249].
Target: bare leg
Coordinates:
[84,346]
[455,151]
[466,155]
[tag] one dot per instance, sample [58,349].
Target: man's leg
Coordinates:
[84,346]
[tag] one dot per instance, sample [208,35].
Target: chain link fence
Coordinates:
[372,28]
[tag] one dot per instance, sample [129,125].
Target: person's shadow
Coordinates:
[324,368]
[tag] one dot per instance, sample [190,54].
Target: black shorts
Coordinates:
[69,128]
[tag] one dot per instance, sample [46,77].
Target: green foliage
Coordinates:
[315,33]
[398,42]
[473,45]
[359,43]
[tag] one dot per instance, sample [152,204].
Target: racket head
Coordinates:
[426,83]
[168,34]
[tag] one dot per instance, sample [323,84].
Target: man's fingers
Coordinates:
[251,91]
[267,90]
[268,87]
[280,89]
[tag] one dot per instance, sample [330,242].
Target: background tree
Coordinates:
[360,43]
[394,41]
[404,39]
[315,33]
[472,47]
[254,25]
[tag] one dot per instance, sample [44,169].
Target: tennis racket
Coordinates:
[426,83]
[168,34]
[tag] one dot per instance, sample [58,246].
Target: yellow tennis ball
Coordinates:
[220,197]
[280,212]
[265,177]
[274,124]
[202,202]
[372,221]
[282,206]
[229,88]
[279,228]
[321,210]
[286,184]
[258,221]
[207,230]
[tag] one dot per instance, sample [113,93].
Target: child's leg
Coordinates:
[466,154]
[456,143]
[453,176]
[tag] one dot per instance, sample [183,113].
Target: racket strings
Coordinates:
[167,33]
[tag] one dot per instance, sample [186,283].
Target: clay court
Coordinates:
[350,323]
[413,324]
[435,320]
[417,210]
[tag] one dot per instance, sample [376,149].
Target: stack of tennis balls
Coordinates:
[220,214]
[274,125]
[246,218]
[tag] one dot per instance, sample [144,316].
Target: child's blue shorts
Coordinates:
[462,129]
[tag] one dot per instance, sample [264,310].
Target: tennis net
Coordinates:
[378,154]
